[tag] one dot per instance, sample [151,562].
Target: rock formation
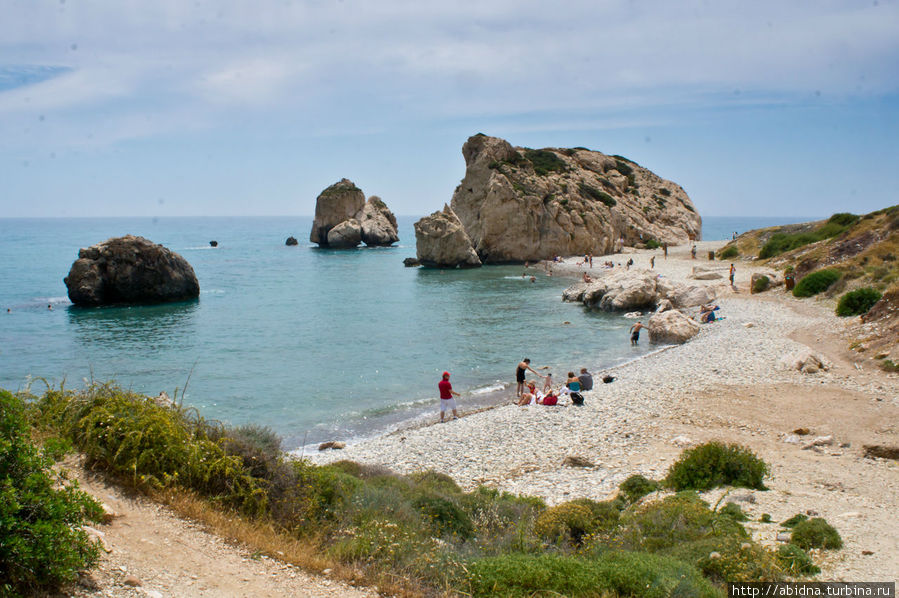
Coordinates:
[518,204]
[441,242]
[671,326]
[291,242]
[633,290]
[342,208]
[130,270]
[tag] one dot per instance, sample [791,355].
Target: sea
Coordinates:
[316,344]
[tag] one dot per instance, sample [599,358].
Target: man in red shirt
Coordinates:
[446,396]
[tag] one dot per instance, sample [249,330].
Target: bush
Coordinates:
[545,161]
[716,464]
[782,242]
[795,561]
[636,487]
[815,533]
[652,244]
[795,519]
[728,253]
[816,282]
[761,284]
[614,573]
[564,522]
[444,516]
[737,559]
[41,543]
[765,518]
[857,302]
[733,511]
[588,192]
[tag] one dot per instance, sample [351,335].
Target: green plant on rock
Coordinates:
[815,533]
[652,244]
[636,487]
[858,302]
[42,545]
[794,520]
[545,161]
[761,284]
[794,561]
[733,511]
[589,192]
[716,464]
[816,282]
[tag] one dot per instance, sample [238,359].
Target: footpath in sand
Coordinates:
[727,384]
[155,554]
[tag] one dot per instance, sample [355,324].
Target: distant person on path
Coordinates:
[665,249]
[630,263]
[585,379]
[523,365]
[652,262]
[590,259]
[693,252]
[635,332]
[733,272]
[446,396]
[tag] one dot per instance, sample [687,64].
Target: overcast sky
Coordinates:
[177,108]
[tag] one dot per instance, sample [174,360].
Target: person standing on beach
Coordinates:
[523,365]
[635,332]
[733,272]
[693,252]
[652,262]
[446,396]
[665,249]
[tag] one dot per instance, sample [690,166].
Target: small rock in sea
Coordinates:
[792,439]
[291,241]
[132,581]
[213,243]
[331,444]
[411,262]
[566,323]
[575,461]
[802,431]
[784,536]
[681,441]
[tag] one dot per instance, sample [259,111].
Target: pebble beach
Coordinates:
[674,398]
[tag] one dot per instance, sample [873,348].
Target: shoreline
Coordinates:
[709,388]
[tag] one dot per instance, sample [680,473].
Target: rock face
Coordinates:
[342,206]
[130,270]
[671,326]
[519,204]
[630,290]
[441,242]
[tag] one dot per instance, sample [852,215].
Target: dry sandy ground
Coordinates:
[155,554]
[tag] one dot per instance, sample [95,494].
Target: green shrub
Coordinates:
[765,518]
[858,302]
[815,533]
[444,516]
[636,487]
[436,481]
[816,282]
[614,573]
[545,161]
[794,561]
[843,219]
[737,559]
[733,511]
[761,284]
[715,464]
[652,244]
[728,253]
[565,522]
[675,520]
[41,543]
[794,520]
[588,192]
[623,167]
[783,242]
[665,192]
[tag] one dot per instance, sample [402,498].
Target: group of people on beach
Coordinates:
[527,392]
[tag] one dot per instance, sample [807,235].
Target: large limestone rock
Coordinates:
[345,235]
[519,204]
[378,223]
[441,242]
[670,327]
[622,291]
[691,295]
[130,270]
[341,201]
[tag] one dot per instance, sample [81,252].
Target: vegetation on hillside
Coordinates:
[422,534]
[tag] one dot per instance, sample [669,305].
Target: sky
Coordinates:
[238,108]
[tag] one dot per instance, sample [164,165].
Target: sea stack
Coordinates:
[130,270]
[519,204]
[441,242]
[343,218]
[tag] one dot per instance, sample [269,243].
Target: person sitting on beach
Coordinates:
[550,398]
[587,278]
[573,383]
[530,396]
[585,379]
[707,314]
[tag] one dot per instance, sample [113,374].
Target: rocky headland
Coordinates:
[518,204]
[344,219]
[130,270]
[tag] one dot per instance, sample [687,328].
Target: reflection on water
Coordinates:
[145,328]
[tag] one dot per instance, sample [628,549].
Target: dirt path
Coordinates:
[168,556]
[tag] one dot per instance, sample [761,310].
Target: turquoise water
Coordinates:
[317,344]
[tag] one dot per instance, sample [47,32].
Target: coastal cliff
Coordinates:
[519,204]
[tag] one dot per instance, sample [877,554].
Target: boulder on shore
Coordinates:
[130,270]
[671,326]
[342,206]
[441,242]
